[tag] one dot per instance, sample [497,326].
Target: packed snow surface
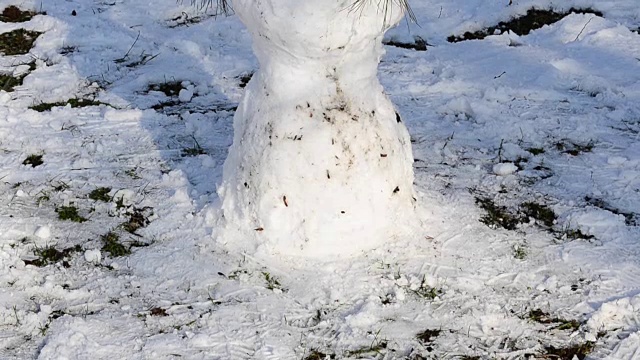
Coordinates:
[320,163]
[110,220]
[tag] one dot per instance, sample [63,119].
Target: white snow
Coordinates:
[320,164]
[43,232]
[93,256]
[504,169]
[561,105]
[185,95]
[620,313]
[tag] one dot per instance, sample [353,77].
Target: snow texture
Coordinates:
[562,104]
[504,169]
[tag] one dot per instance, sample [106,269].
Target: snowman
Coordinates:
[321,163]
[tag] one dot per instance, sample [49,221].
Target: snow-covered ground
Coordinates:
[550,120]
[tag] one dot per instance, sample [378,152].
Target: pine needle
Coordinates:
[224,7]
[386,7]
[221,6]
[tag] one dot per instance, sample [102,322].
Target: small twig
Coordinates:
[446,142]
[131,48]
[15,312]
[584,27]
[521,136]
[222,7]
[375,338]
[386,6]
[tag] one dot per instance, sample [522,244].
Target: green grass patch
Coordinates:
[195,150]
[536,151]
[9,82]
[574,234]
[100,194]
[520,252]
[43,196]
[523,25]
[428,336]
[137,220]
[571,325]
[69,213]
[318,355]
[62,186]
[418,44]
[376,347]
[272,282]
[541,213]
[579,351]
[542,317]
[113,246]
[51,255]
[235,274]
[427,292]
[17,42]
[573,148]
[498,216]
[13,14]
[74,103]
[169,88]
[34,160]
[509,219]
[133,173]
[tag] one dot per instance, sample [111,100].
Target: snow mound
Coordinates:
[321,163]
[626,349]
[617,314]
[504,169]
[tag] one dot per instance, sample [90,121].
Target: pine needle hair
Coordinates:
[224,7]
